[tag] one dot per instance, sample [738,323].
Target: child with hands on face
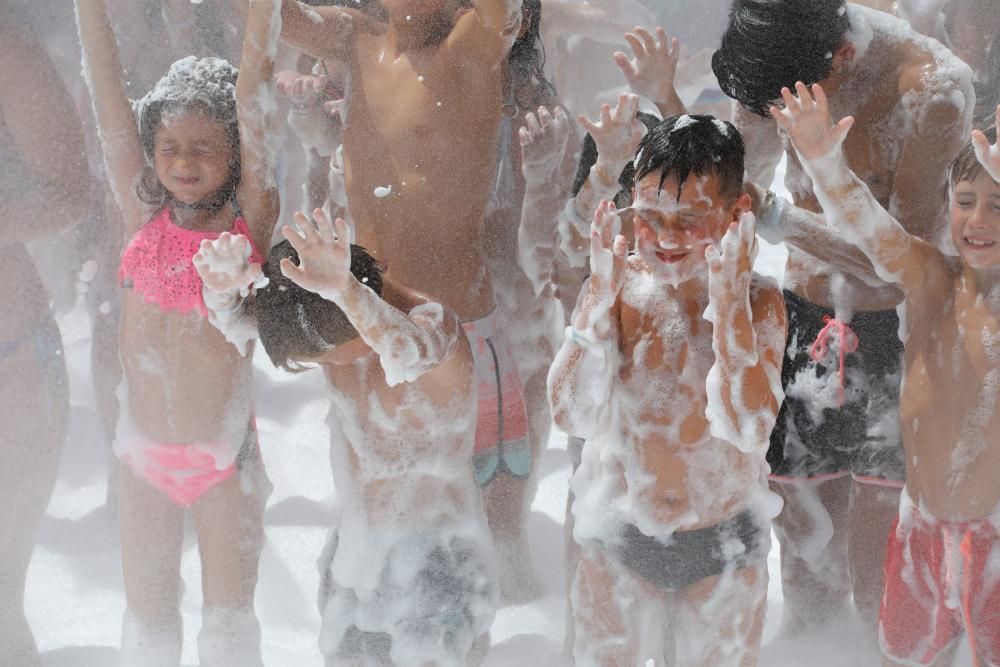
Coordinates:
[939,567]
[671,371]
[402,428]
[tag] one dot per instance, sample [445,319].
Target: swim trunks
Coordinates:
[940,581]
[502,422]
[435,596]
[839,417]
[689,556]
[184,472]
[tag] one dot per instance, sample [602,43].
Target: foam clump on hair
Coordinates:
[209,83]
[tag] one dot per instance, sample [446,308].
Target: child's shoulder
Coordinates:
[766,299]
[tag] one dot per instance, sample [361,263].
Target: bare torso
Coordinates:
[884,119]
[951,389]
[672,472]
[423,123]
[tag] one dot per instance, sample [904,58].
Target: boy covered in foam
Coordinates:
[671,371]
[941,565]
[415,583]
[836,455]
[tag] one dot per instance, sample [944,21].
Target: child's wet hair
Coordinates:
[772,44]
[702,145]
[206,85]
[295,324]
[966,167]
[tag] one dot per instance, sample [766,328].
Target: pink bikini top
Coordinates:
[157,263]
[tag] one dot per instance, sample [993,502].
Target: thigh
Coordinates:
[618,618]
[230,521]
[719,620]
[152,533]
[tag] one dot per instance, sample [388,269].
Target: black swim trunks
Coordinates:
[692,555]
[816,435]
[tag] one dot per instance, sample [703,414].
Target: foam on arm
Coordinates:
[579,380]
[408,344]
[229,312]
[577,213]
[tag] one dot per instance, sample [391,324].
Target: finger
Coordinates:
[320,216]
[620,246]
[292,272]
[625,65]
[791,104]
[805,99]
[636,44]
[531,123]
[605,115]
[523,136]
[662,43]
[332,107]
[544,117]
[713,258]
[343,232]
[326,231]
[294,237]
[559,116]
[675,52]
[844,126]
[822,104]
[647,39]
[306,227]
[631,106]
[779,116]
[585,123]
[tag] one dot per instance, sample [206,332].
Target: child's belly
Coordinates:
[185,382]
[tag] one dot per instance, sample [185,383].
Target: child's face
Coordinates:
[192,154]
[671,233]
[975,221]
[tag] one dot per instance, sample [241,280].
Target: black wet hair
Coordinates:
[772,44]
[527,59]
[588,157]
[967,167]
[204,86]
[295,324]
[693,144]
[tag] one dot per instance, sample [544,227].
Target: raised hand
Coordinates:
[806,119]
[988,156]
[304,91]
[543,143]
[224,265]
[324,254]
[730,265]
[651,71]
[617,132]
[607,254]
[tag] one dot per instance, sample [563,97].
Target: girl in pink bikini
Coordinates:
[189,162]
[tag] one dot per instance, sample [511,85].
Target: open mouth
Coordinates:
[672,256]
[188,180]
[978,243]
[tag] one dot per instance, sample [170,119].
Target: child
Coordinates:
[940,566]
[186,436]
[415,583]
[672,505]
[836,455]
[422,120]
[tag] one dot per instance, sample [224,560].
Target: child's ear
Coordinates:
[743,205]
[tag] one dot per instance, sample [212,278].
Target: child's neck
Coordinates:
[200,219]
[987,286]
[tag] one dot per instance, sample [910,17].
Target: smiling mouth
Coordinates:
[978,243]
[672,257]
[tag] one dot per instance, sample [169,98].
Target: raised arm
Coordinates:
[408,344]
[940,103]
[580,378]
[617,134]
[651,70]
[748,338]
[487,33]
[543,144]
[322,32]
[43,179]
[987,154]
[256,111]
[116,124]
[898,257]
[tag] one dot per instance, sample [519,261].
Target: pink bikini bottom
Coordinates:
[184,472]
